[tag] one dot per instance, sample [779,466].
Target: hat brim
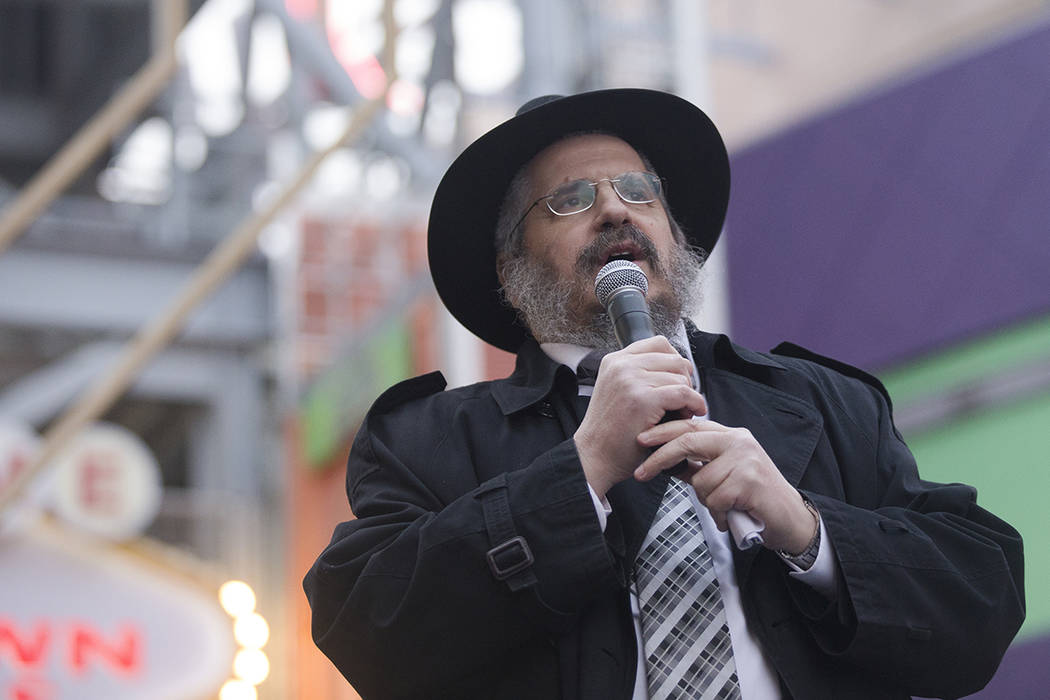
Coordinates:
[679,140]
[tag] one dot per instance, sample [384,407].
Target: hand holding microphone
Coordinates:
[621,287]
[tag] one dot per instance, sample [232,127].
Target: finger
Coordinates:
[651,361]
[640,385]
[676,397]
[716,488]
[664,378]
[665,432]
[662,433]
[704,447]
[647,405]
[656,343]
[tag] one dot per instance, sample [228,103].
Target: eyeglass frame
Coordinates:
[659,181]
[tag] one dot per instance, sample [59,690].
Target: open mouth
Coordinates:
[625,251]
[622,243]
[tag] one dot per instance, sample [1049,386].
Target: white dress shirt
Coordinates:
[758,680]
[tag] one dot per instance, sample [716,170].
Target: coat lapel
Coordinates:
[788,428]
[634,503]
[785,426]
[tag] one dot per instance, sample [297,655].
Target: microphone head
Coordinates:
[616,275]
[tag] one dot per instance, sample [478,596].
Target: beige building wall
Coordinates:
[774,62]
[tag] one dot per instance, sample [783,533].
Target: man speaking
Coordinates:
[576,529]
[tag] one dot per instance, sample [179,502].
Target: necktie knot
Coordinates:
[587,370]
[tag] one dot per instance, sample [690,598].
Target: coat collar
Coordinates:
[532,380]
[535,373]
[717,350]
[786,425]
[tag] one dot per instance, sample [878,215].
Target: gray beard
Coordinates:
[566,310]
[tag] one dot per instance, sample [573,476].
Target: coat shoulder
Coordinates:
[409,423]
[423,404]
[816,366]
[409,390]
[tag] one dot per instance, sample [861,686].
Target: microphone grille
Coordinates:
[616,275]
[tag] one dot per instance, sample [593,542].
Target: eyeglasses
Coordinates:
[634,187]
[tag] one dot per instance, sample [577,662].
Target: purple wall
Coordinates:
[904,221]
[1024,674]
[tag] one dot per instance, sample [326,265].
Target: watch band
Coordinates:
[807,556]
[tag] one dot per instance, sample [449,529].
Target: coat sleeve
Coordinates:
[403,599]
[932,586]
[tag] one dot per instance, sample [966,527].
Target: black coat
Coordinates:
[406,606]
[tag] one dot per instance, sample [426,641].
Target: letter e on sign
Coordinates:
[107,483]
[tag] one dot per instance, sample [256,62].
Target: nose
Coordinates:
[609,208]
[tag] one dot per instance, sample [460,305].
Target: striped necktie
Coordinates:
[688,653]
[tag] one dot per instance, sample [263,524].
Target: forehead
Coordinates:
[583,156]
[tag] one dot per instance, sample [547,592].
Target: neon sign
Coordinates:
[77,647]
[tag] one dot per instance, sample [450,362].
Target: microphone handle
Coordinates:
[630,316]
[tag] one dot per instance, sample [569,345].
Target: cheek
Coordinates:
[549,257]
[559,251]
[660,225]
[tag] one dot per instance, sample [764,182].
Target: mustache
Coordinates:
[593,254]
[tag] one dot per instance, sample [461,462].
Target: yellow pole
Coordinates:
[88,142]
[155,335]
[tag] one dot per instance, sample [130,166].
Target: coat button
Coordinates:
[893,527]
[545,409]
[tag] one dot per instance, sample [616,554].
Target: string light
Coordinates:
[236,689]
[237,598]
[251,665]
[251,631]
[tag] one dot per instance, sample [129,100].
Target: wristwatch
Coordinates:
[807,556]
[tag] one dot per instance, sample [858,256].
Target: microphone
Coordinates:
[621,287]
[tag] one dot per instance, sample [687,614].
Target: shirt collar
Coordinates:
[565,353]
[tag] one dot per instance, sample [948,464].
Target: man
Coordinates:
[524,538]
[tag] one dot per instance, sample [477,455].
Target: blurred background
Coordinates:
[212,260]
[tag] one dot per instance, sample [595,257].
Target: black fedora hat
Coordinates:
[679,140]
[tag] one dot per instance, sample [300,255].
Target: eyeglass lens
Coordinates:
[578,195]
